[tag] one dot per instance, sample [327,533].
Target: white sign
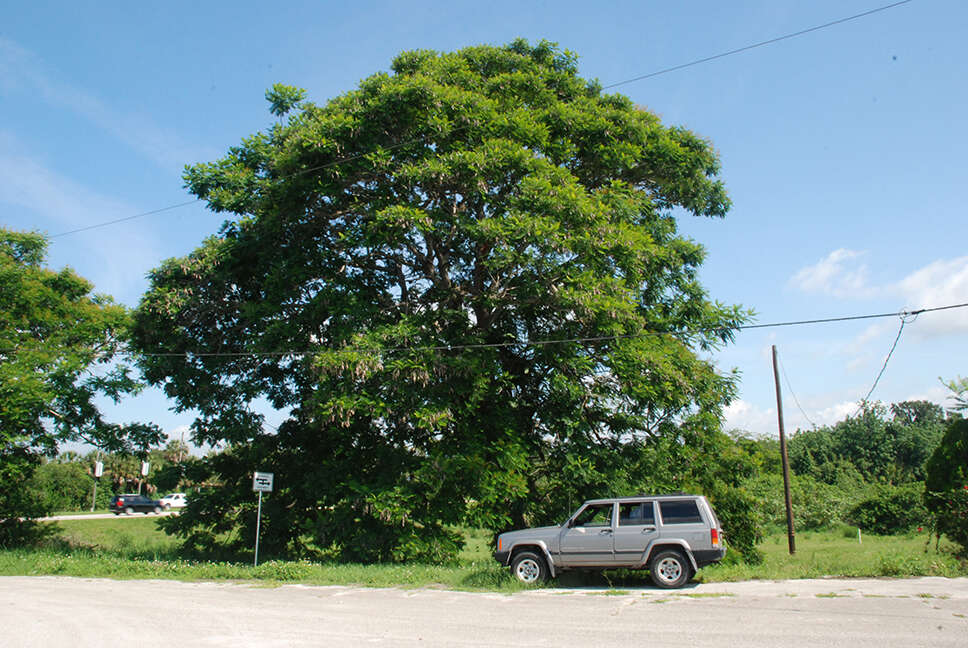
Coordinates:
[144,468]
[99,469]
[262,482]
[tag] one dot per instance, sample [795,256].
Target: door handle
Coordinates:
[604,531]
[648,529]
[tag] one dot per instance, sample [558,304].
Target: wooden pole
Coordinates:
[783,456]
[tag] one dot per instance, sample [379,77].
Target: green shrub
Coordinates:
[890,510]
[816,505]
[951,515]
[62,486]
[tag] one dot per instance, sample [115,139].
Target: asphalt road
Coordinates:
[56,611]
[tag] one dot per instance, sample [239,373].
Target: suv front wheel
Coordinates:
[529,568]
[669,569]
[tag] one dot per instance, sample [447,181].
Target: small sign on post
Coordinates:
[261,483]
[98,471]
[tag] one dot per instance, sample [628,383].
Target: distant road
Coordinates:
[104,516]
[46,611]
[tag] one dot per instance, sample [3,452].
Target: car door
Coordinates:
[587,540]
[635,530]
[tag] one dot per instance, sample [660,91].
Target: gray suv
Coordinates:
[670,535]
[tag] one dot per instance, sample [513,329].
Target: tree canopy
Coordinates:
[58,343]
[463,282]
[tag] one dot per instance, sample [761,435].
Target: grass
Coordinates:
[137,548]
[831,554]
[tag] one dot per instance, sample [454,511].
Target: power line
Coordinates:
[357,156]
[755,45]
[126,218]
[905,315]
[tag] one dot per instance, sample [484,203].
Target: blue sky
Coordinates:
[843,151]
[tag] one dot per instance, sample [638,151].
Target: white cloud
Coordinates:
[941,283]
[22,71]
[835,412]
[839,274]
[743,415]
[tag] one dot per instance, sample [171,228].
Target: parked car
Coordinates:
[130,503]
[174,500]
[670,535]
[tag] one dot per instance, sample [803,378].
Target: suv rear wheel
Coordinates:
[529,568]
[669,569]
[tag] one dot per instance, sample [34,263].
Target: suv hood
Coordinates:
[548,535]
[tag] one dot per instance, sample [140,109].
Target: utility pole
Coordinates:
[783,457]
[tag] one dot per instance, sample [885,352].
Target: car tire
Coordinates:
[128,511]
[669,569]
[158,509]
[167,507]
[529,568]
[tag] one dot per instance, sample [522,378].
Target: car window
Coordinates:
[636,513]
[595,515]
[680,512]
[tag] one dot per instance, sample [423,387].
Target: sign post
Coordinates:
[261,483]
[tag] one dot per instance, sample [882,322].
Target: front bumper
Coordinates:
[502,556]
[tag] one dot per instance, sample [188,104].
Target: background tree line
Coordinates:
[868,470]
[66,482]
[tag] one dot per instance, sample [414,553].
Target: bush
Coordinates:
[947,484]
[816,505]
[736,509]
[62,486]
[951,515]
[890,510]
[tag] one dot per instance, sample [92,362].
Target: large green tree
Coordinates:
[464,283]
[58,344]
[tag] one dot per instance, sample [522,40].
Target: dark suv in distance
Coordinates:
[130,503]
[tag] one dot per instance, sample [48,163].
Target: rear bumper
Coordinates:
[708,556]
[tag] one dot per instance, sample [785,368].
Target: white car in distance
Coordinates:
[174,500]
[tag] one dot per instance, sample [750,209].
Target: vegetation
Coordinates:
[58,349]
[464,282]
[947,484]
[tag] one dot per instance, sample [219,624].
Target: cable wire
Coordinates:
[755,45]
[793,393]
[535,343]
[459,128]
[904,320]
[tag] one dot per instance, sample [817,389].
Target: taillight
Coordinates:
[714,536]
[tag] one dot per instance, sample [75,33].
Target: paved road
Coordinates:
[55,611]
